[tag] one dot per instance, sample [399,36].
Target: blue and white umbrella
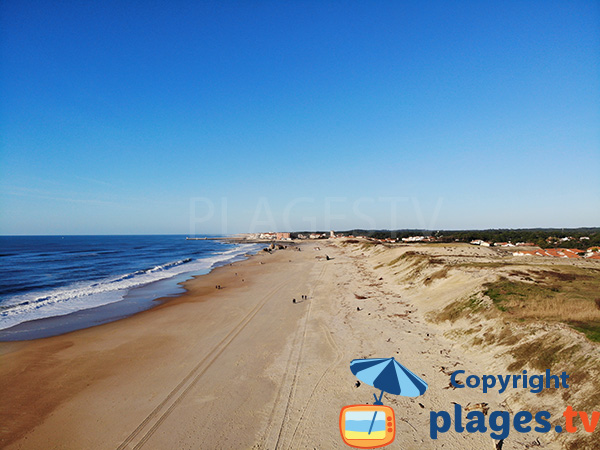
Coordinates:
[389,376]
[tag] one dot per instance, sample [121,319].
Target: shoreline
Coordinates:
[77,363]
[245,367]
[135,301]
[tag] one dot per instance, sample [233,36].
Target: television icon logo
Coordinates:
[367,426]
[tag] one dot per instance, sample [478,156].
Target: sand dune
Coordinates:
[245,368]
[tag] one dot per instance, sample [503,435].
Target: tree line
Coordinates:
[541,237]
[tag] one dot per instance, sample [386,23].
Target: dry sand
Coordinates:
[245,368]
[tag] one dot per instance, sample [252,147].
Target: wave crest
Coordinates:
[85,295]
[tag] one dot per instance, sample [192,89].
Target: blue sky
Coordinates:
[223,117]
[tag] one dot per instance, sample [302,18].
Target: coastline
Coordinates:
[136,300]
[244,367]
[180,333]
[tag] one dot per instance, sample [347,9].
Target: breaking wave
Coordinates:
[84,295]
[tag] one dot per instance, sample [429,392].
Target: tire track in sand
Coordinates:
[153,421]
[297,357]
[310,403]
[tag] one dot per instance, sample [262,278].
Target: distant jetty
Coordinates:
[246,239]
[224,238]
[211,238]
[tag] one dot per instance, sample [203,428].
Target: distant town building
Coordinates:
[414,239]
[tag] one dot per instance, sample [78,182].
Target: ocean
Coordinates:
[53,284]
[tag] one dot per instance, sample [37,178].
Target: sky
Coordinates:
[219,117]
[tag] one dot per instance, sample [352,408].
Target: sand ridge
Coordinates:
[243,366]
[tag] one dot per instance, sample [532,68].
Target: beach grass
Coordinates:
[568,296]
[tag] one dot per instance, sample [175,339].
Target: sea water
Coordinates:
[80,281]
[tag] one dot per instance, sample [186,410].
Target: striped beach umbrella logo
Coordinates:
[389,376]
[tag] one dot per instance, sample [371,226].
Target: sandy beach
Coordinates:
[299,225]
[243,367]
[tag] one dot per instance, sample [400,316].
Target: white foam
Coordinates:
[85,295]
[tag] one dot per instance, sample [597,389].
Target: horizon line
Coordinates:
[316,231]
